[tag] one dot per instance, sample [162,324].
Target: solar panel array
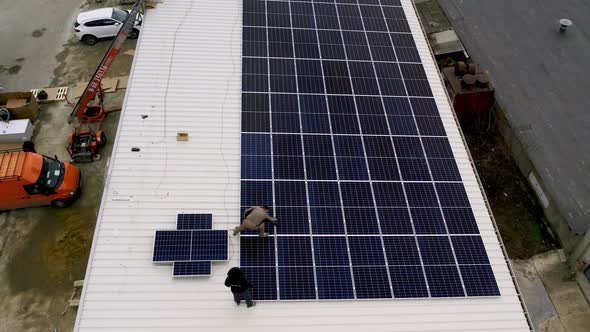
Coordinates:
[192,246]
[341,136]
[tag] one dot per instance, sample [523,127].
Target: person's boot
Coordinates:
[236,231]
[251,305]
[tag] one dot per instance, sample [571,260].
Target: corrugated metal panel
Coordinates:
[186,78]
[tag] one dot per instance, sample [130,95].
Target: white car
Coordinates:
[97,24]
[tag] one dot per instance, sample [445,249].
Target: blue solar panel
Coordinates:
[296,283]
[469,250]
[194,221]
[383,169]
[256,251]
[366,250]
[320,168]
[479,280]
[395,221]
[255,144]
[371,282]
[294,251]
[210,245]
[342,138]
[170,246]
[327,220]
[323,194]
[428,221]
[352,168]
[290,193]
[334,283]
[331,251]
[436,250]
[444,281]
[263,280]
[401,250]
[408,281]
[191,269]
[361,220]
[256,167]
[296,217]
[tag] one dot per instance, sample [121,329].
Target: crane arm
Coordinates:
[108,59]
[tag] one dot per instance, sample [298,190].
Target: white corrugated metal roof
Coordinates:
[186,77]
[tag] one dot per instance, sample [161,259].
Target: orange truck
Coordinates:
[30,179]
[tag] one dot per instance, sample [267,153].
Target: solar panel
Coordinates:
[195,245]
[194,221]
[170,246]
[210,245]
[342,137]
[191,269]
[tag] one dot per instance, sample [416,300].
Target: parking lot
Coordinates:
[44,250]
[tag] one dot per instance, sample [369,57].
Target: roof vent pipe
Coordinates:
[564,23]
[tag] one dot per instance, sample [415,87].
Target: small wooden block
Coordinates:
[182,137]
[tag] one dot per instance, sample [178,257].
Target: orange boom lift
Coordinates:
[88,137]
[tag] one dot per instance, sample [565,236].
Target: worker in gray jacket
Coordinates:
[254,219]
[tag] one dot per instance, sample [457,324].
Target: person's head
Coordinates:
[234,271]
[266,208]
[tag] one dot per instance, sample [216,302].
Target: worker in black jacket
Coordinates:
[240,286]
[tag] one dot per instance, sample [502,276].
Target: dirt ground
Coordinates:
[514,205]
[44,250]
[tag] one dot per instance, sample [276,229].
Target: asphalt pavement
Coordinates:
[541,81]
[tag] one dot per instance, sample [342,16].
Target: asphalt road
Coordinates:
[33,32]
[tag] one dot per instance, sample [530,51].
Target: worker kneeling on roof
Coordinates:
[254,219]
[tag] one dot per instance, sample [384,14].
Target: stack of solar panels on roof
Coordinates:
[192,246]
[342,137]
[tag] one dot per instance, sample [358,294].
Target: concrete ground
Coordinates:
[32,33]
[44,250]
[553,298]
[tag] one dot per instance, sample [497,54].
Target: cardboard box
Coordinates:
[29,110]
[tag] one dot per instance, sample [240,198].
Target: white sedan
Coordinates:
[91,26]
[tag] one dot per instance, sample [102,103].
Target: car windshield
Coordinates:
[51,174]
[119,15]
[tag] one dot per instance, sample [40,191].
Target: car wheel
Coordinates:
[133,34]
[60,203]
[89,40]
